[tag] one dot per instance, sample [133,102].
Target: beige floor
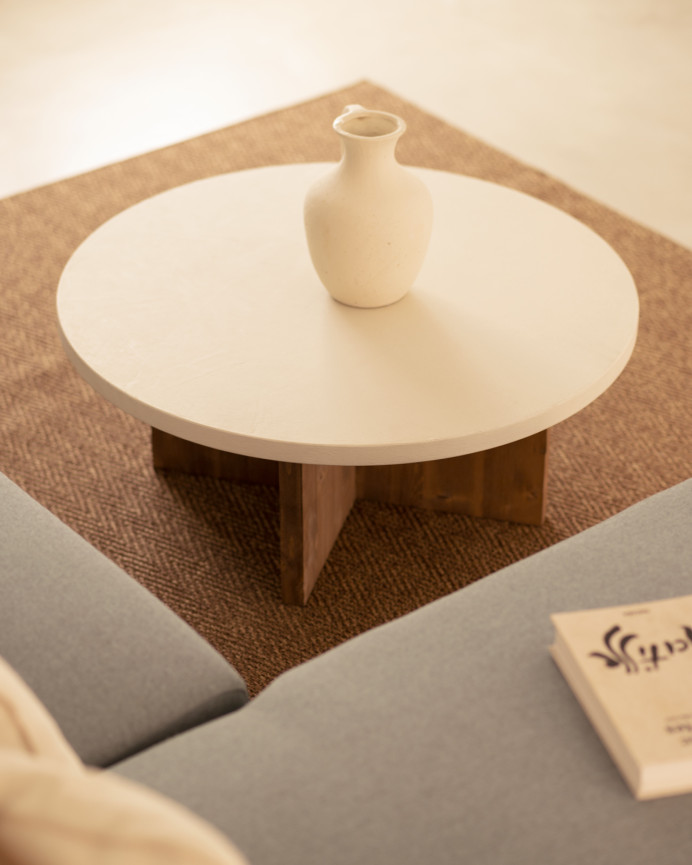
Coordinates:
[596,92]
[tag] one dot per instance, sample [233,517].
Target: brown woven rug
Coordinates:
[209,548]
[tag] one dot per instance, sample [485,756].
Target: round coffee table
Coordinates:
[198,311]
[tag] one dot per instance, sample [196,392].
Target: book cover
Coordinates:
[630,668]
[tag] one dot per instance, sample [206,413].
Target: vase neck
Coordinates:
[368,139]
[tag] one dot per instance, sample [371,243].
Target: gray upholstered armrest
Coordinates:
[115,667]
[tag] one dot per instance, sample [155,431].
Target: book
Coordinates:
[630,668]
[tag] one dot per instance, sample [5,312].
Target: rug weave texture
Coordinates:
[209,548]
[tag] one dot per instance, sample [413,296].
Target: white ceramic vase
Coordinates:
[368,220]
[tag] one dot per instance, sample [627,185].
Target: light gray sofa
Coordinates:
[447,736]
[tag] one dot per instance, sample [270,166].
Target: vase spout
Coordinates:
[359,122]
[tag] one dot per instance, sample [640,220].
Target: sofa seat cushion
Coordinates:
[448,735]
[116,668]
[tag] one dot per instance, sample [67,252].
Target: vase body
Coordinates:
[368,220]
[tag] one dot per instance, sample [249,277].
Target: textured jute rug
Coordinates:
[209,548]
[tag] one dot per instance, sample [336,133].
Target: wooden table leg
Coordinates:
[506,483]
[314,501]
[176,454]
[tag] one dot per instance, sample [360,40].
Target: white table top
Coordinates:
[198,311]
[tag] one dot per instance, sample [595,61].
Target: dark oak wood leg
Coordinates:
[314,502]
[506,483]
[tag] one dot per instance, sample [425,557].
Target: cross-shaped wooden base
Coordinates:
[506,483]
